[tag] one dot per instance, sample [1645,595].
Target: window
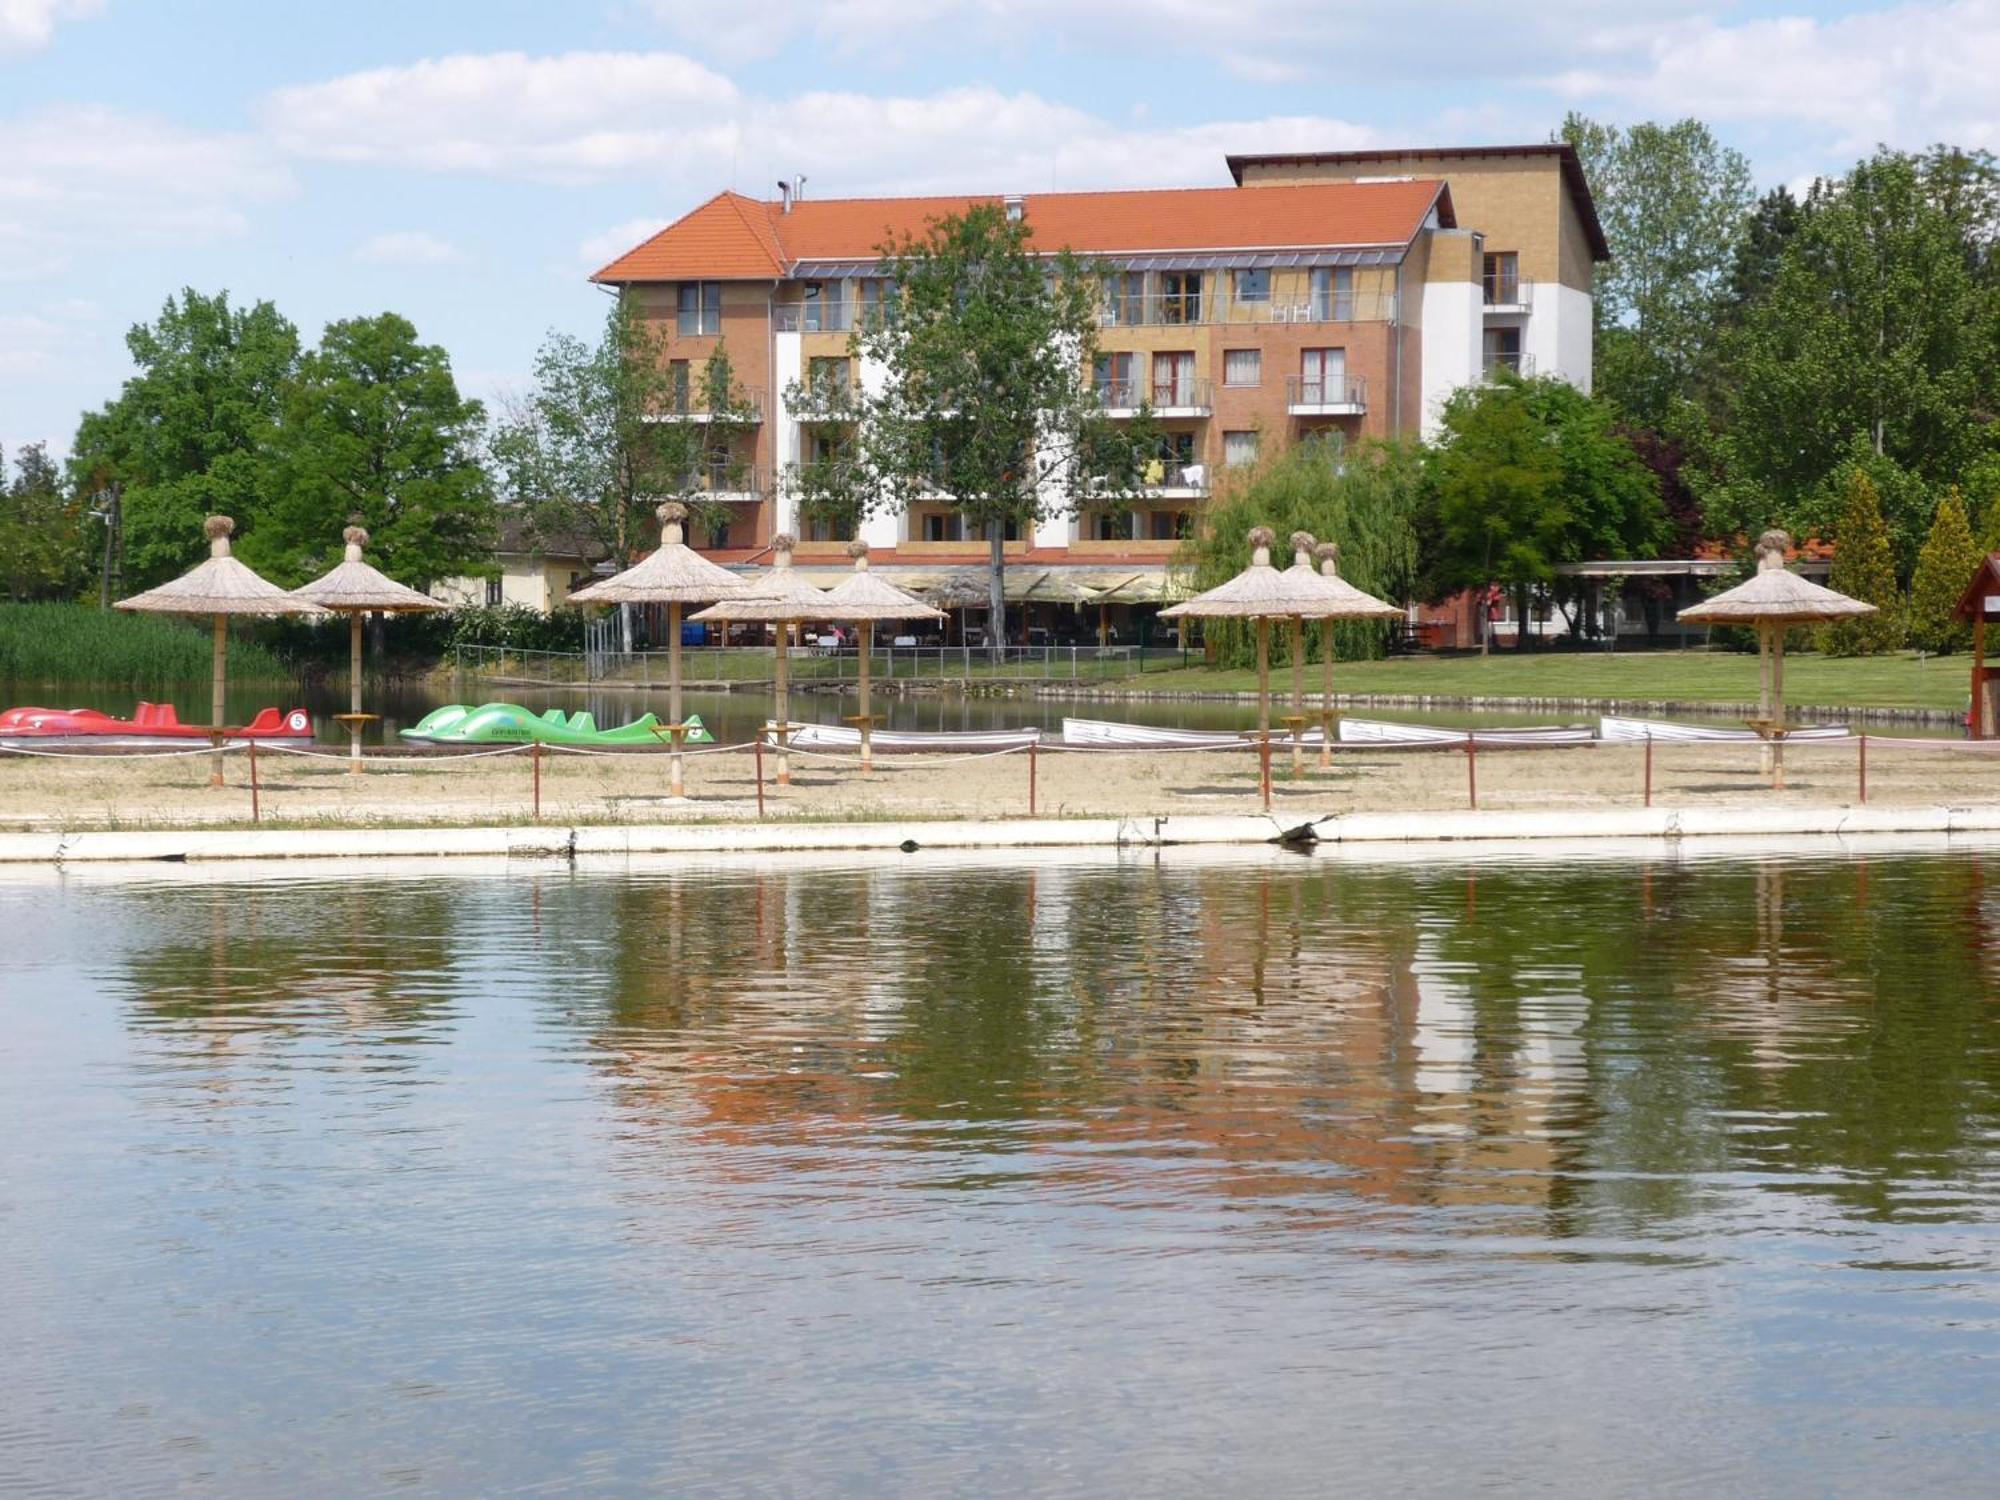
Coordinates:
[827,309]
[1176,453]
[1322,376]
[1180,296]
[1333,294]
[1124,299]
[718,533]
[1111,525]
[1500,280]
[834,375]
[679,383]
[878,302]
[1238,449]
[824,529]
[1114,380]
[1173,378]
[940,526]
[1253,285]
[1164,525]
[1242,366]
[495,592]
[1501,348]
[700,307]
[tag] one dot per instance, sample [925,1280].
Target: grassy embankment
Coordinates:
[74,643]
[1900,681]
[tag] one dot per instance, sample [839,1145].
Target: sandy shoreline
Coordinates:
[99,792]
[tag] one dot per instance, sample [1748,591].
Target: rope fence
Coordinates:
[617,782]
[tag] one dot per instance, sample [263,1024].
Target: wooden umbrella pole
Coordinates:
[784,702]
[219,695]
[1326,694]
[354,690]
[675,786]
[866,641]
[1264,706]
[1764,694]
[1778,706]
[1298,697]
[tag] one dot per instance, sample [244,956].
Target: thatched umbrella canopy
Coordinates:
[779,597]
[674,574]
[220,587]
[1260,593]
[863,599]
[353,588]
[1350,603]
[1772,601]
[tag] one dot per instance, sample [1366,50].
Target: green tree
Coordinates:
[1760,250]
[373,428]
[606,434]
[986,401]
[1864,569]
[1528,475]
[45,533]
[1881,324]
[190,434]
[1365,498]
[1944,568]
[1672,201]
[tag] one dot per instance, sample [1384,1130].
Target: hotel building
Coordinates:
[1340,292]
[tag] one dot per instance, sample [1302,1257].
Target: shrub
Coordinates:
[1864,568]
[1944,567]
[48,643]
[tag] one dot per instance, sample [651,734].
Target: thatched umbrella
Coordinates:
[862,600]
[961,591]
[354,589]
[220,587]
[673,575]
[782,598]
[1260,593]
[1773,601]
[1349,604]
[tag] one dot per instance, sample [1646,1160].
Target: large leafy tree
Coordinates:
[1672,201]
[1881,323]
[1365,497]
[986,400]
[604,436]
[45,540]
[1528,475]
[373,428]
[191,432]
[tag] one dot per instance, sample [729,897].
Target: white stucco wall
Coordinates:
[1453,324]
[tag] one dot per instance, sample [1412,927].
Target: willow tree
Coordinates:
[987,403]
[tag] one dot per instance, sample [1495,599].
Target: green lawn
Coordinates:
[1902,681]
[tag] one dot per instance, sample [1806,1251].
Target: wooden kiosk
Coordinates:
[1980,603]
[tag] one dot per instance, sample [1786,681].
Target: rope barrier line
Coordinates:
[112,754]
[648,752]
[902,760]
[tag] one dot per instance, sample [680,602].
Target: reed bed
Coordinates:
[80,644]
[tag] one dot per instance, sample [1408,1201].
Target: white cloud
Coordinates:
[410,247]
[28,25]
[571,118]
[36,343]
[589,117]
[78,178]
[1906,75]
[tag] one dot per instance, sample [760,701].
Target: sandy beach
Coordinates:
[119,792]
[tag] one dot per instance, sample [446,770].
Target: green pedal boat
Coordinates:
[510,724]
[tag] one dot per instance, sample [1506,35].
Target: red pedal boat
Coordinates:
[153,724]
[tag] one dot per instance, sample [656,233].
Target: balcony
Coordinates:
[1167,479]
[1506,295]
[1185,397]
[685,406]
[1223,312]
[1326,396]
[730,486]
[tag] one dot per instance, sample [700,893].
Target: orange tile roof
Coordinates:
[734,238]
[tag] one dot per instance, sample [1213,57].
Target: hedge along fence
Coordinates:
[79,643]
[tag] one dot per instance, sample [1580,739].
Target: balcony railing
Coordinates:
[1332,395]
[813,317]
[1154,311]
[690,406]
[733,484]
[1510,360]
[1183,393]
[1506,291]
[1167,475]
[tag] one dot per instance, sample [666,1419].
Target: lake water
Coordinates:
[1246,1174]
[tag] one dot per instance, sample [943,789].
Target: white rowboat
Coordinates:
[1658,729]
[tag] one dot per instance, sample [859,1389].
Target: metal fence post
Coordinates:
[1031,778]
[255,816]
[535,755]
[1864,770]
[1649,770]
[758,743]
[1471,772]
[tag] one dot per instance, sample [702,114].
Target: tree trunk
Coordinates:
[996,595]
[1521,632]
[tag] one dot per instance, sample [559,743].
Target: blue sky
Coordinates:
[468,164]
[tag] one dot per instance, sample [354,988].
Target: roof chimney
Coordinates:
[1016,206]
[785,194]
